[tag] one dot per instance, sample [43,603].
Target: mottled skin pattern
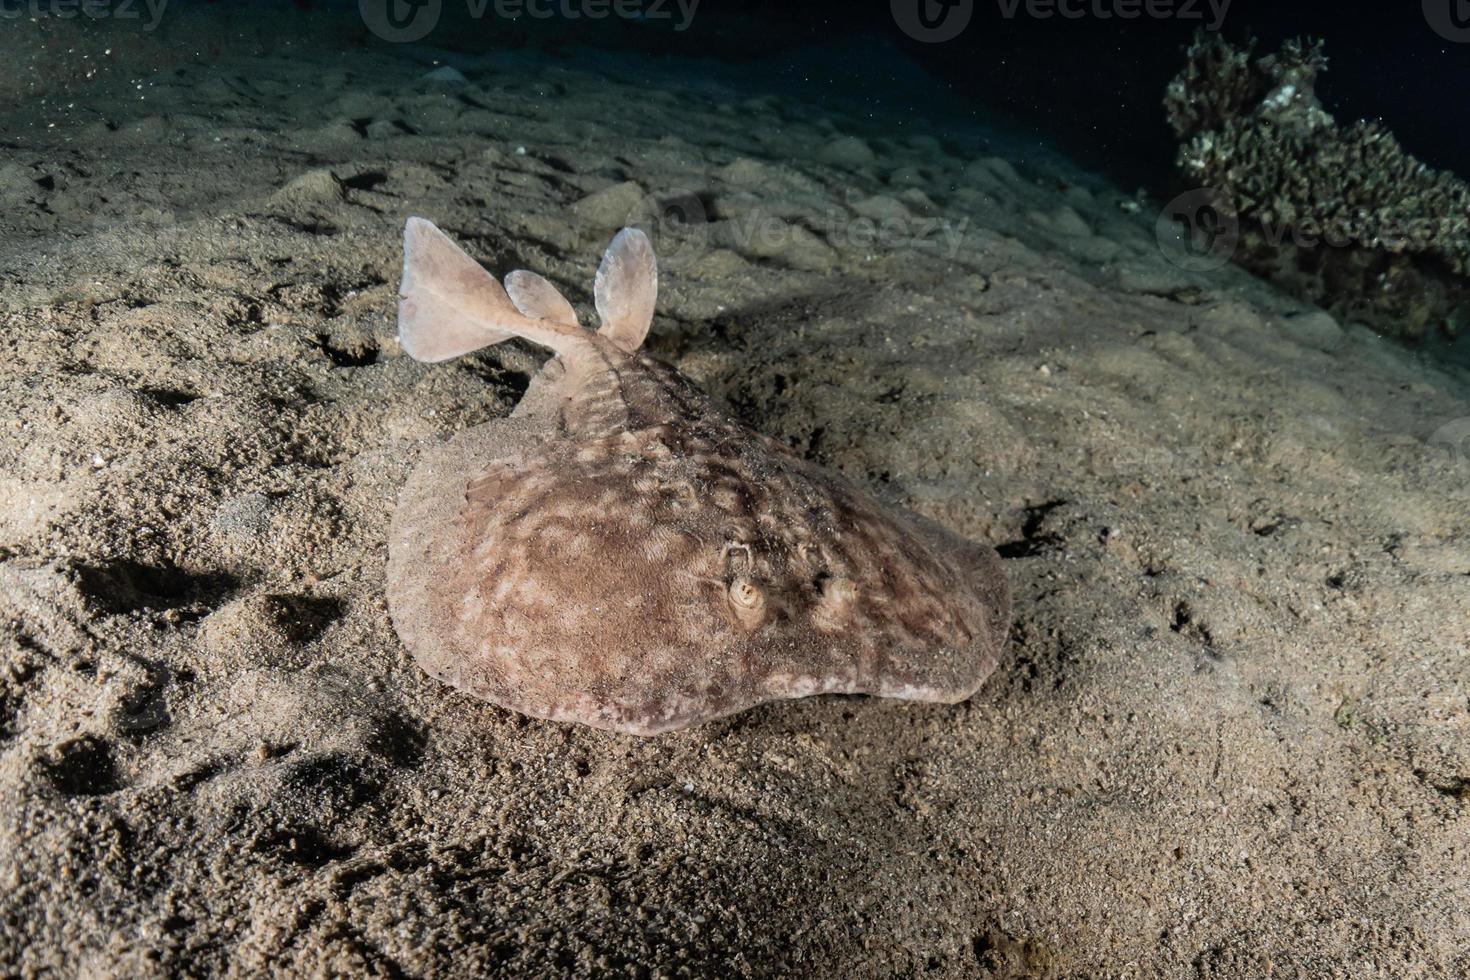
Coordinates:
[620,554]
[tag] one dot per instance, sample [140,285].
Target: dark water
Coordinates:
[1086,74]
[1083,79]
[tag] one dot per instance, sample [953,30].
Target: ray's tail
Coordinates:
[449,305]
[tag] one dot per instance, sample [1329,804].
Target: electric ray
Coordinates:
[619,553]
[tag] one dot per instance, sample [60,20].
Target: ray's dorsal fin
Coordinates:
[538,299]
[449,305]
[626,289]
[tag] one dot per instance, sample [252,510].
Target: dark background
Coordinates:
[1094,87]
[1090,86]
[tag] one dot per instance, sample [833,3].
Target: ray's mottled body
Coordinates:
[618,553]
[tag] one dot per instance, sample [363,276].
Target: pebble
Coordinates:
[445,75]
[610,208]
[848,151]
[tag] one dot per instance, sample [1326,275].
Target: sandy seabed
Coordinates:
[1230,736]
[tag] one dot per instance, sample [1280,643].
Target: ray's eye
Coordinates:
[745,593]
[747,601]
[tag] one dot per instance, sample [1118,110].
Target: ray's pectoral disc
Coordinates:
[618,553]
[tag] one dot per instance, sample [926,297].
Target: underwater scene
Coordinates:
[682,488]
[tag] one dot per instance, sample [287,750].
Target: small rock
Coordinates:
[383,129]
[1091,248]
[1154,278]
[848,151]
[1317,330]
[313,186]
[17,182]
[495,156]
[744,172]
[808,252]
[720,263]
[880,207]
[759,235]
[993,167]
[445,75]
[339,129]
[918,201]
[908,177]
[612,207]
[1232,317]
[1080,195]
[1065,221]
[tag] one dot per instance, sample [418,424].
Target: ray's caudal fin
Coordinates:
[449,305]
[626,289]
